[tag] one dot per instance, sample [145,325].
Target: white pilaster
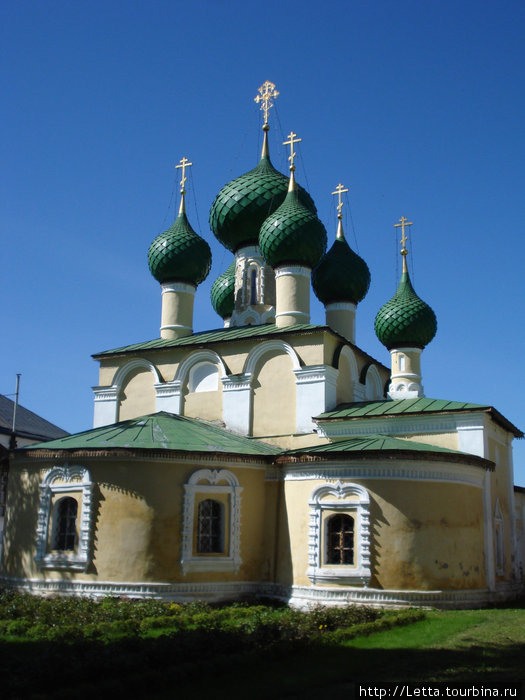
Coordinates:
[105,405]
[237,402]
[316,388]
[168,397]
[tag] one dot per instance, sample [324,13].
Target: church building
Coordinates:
[271,456]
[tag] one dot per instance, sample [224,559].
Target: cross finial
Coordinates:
[267,93]
[339,191]
[404,222]
[184,163]
[290,143]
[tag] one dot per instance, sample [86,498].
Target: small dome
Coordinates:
[242,205]
[341,274]
[405,320]
[179,254]
[223,292]
[292,235]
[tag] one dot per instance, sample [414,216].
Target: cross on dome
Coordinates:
[339,191]
[267,93]
[290,143]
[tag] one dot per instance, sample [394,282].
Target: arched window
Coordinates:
[340,540]
[65,525]
[210,527]
[253,287]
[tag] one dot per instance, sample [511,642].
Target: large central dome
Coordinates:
[242,206]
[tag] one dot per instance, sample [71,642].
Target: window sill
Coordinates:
[54,561]
[214,563]
[347,575]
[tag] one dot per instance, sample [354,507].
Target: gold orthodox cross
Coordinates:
[184,163]
[339,191]
[290,143]
[404,222]
[267,93]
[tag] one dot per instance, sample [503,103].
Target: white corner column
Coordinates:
[316,392]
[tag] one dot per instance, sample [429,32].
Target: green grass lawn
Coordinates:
[66,648]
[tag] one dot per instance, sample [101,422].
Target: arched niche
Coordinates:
[200,377]
[135,385]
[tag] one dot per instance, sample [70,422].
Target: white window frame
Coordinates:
[350,499]
[71,481]
[207,482]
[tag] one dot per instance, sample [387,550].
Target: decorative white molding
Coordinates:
[407,424]
[351,499]
[266,347]
[173,287]
[175,326]
[73,480]
[132,365]
[395,470]
[316,392]
[373,384]
[296,314]
[295,270]
[196,357]
[341,306]
[207,481]
[302,597]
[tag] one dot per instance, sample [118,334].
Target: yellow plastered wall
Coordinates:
[274,391]
[344,382]
[137,396]
[423,535]
[136,523]
[204,404]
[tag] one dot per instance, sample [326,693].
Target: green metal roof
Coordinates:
[223,292]
[160,431]
[179,254]
[389,408]
[341,275]
[405,320]
[380,445]
[372,443]
[216,336]
[243,204]
[293,234]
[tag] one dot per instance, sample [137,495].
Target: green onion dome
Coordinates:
[405,320]
[341,274]
[223,292]
[179,254]
[292,235]
[243,204]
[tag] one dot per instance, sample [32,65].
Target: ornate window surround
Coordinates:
[207,481]
[335,497]
[73,480]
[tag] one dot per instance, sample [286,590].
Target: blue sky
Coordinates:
[417,107]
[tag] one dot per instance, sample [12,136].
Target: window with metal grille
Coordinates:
[210,527]
[340,540]
[65,525]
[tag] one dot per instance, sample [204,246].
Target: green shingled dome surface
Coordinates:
[179,254]
[341,275]
[405,320]
[240,208]
[223,292]
[292,235]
